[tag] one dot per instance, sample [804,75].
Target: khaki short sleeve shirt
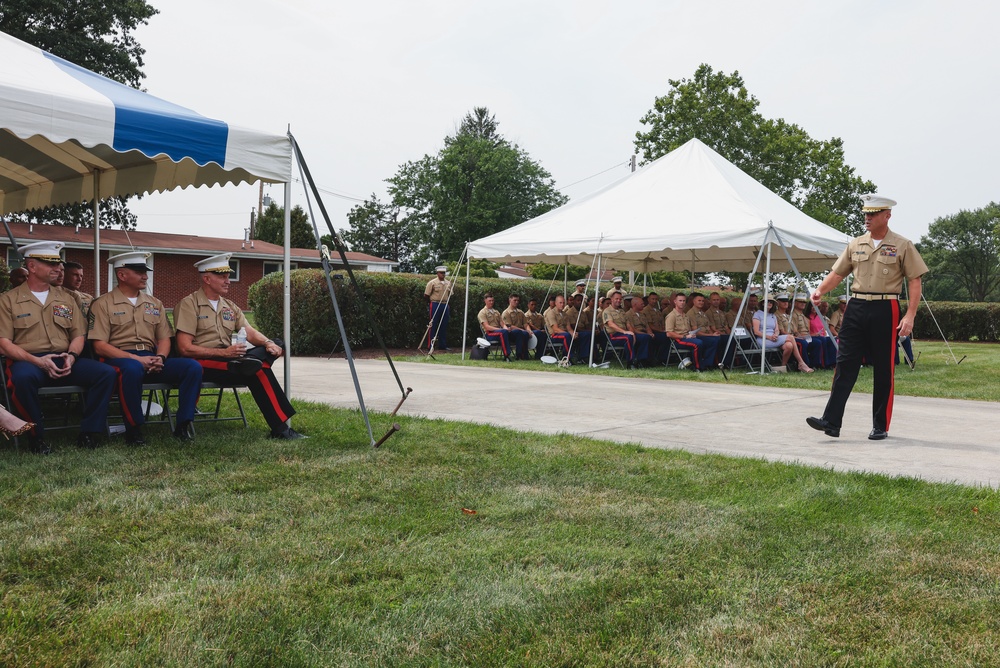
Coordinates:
[37,328]
[717,319]
[637,321]
[438,290]
[514,317]
[880,270]
[535,319]
[836,318]
[491,316]
[209,328]
[800,325]
[678,323]
[615,315]
[83,300]
[115,321]
[554,319]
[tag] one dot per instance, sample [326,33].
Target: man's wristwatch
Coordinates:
[75,356]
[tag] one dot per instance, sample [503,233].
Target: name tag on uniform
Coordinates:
[23,315]
[860,255]
[118,313]
[202,317]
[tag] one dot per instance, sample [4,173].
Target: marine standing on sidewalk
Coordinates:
[879,260]
[437,293]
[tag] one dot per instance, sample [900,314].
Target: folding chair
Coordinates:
[496,351]
[555,347]
[618,348]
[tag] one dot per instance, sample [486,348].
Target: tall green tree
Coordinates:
[271,227]
[381,230]
[479,183]
[100,36]
[717,109]
[963,254]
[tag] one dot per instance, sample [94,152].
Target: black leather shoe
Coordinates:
[87,440]
[134,437]
[878,434]
[819,424]
[244,366]
[39,446]
[183,431]
[288,434]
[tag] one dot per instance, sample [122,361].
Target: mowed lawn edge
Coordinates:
[461,544]
[936,373]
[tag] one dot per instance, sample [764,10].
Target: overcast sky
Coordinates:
[911,87]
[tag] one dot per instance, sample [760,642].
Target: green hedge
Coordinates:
[397,301]
[960,321]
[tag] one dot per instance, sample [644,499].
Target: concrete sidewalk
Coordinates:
[941,440]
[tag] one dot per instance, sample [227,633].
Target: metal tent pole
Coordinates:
[97,233]
[286,310]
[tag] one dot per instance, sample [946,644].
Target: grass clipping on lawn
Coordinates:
[460,544]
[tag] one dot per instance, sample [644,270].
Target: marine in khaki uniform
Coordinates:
[557,326]
[536,322]
[635,322]
[715,314]
[880,260]
[709,336]
[616,286]
[517,326]
[42,333]
[205,323]
[73,281]
[810,347]
[616,328]
[437,293]
[580,326]
[494,329]
[679,327]
[837,317]
[129,331]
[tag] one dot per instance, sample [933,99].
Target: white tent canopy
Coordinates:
[691,208]
[60,125]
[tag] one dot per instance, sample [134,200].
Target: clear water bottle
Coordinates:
[240,336]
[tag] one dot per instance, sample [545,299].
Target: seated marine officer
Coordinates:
[129,330]
[206,321]
[42,333]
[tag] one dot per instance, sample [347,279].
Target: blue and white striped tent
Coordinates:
[67,134]
[65,130]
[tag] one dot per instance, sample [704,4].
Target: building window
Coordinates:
[275,267]
[235,266]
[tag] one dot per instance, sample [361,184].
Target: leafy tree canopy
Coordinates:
[717,109]
[963,253]
[97,35]
[477,184]
[271,227]
[381,230]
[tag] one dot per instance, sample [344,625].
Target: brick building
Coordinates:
[173,257]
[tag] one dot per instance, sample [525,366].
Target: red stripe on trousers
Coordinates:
[892,364]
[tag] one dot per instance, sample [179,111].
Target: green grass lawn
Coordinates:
[935,373]
[465,545]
